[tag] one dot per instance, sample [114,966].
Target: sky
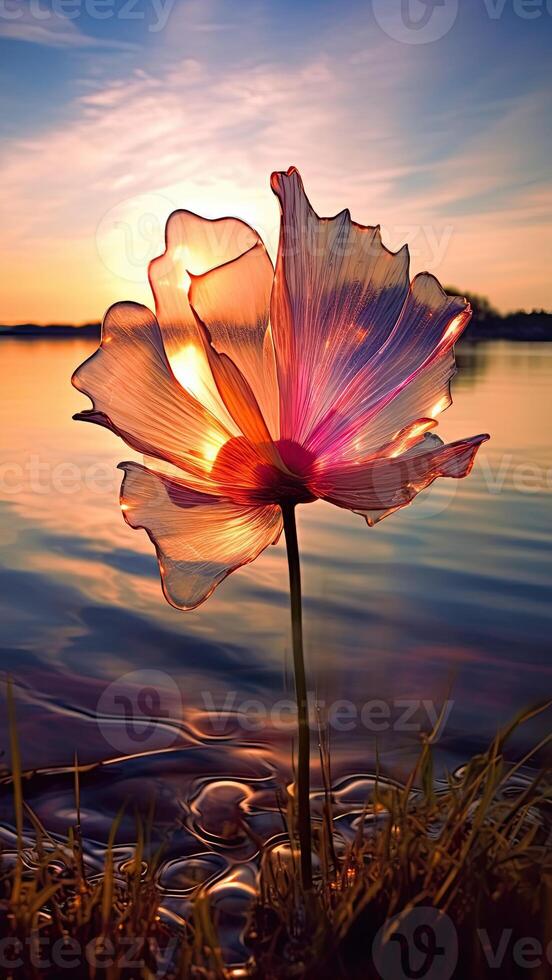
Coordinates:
[429,118]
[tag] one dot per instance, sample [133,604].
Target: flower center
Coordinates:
[247,479]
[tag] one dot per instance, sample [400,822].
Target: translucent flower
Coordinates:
[254,389]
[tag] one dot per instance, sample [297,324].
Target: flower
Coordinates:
[253,388]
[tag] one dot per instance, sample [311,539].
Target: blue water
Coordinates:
[444,604]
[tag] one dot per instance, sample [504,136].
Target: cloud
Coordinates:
[186,127]
[52,29]
[190,127]
[200,133]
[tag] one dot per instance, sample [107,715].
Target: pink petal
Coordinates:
[135,393]
[383,485]
[233,301]
[337,295]
[406,379]
[199,538]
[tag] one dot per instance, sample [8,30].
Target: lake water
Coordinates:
[445,603]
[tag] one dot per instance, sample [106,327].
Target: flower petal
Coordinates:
[337,295]
[199,538]
[135,393]
[239,399]
[194,245]
[383,485]
[406,379]
[233,301]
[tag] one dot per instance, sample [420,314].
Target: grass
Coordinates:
[478,851]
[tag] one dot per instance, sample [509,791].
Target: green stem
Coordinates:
[303,760]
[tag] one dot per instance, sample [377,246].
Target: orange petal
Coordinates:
[194,245]
[233,301]
[199,539]
[238,399]
[135,393]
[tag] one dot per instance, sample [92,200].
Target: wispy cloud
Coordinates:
[191,127]
[52,29]
[196,132]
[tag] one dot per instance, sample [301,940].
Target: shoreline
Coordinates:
[529,327]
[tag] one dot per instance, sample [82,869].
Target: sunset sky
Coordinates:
[116,112]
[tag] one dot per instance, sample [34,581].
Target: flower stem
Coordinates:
[303,760]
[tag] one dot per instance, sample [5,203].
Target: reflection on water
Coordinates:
[446,601]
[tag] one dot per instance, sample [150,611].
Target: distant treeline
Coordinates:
[50,330]
[486,324]
[513,326]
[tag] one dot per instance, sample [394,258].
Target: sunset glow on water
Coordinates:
[448,595]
